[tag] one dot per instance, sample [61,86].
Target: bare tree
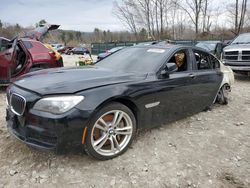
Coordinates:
[242,15]
[125,13]
[237,12]
[193,9]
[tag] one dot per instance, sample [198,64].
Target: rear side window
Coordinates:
[27,44]
[202,60]
[215,62]
[4,44]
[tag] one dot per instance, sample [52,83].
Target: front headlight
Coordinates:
[58,105]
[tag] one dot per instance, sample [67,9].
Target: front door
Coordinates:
[7,61]
[174,94]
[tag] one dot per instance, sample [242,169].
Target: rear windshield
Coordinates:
[135,60]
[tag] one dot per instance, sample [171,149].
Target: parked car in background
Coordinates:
[237,54]
[102,107]
[108,52]
[215,47]
[65,49]
[57,46]
[22,55]
[78,51]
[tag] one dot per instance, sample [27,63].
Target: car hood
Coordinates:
[236,47]
[72,80]
[103,54]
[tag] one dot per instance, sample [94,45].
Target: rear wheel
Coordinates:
[222,96]
[111,132]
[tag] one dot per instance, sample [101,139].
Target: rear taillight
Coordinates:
[52,54]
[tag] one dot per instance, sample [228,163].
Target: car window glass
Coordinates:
[180,59]
[135,59]
[202,60]
[4,44]
[214,62]
[27,44]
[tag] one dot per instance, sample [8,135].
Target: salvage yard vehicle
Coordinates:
[78,51]
[102,106]
[237,54]
[215,47]
[109,52]
[22,55]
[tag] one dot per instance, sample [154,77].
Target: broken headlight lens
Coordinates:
[57,105]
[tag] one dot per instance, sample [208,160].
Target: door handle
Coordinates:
[191,76]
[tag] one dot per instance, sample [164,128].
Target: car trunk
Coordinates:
[40,31]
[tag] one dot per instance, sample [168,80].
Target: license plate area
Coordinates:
[14,120]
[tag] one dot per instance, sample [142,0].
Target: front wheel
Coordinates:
[110,132]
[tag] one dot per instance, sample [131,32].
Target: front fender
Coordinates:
[94,98]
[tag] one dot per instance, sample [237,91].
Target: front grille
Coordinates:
[232,53]
[245,55]
[17,104]
[245,52]
[231,56]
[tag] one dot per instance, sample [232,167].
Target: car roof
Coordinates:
[3,38]
[210,41]
[171,47]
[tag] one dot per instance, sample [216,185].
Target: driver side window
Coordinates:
[180,59]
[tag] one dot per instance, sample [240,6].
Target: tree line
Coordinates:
[156,20]
[182,18]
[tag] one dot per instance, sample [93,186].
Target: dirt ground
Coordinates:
[210,149]
[70,60]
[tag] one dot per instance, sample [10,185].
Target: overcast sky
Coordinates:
[82,15]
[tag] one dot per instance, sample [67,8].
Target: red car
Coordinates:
[22,55]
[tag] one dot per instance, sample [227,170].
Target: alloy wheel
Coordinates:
[111,133]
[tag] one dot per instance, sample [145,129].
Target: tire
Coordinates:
[106,140]
[222,97]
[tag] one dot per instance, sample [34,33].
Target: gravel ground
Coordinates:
[210,149]
[69,60]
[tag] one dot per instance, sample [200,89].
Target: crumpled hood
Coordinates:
[237,47]
[72,80]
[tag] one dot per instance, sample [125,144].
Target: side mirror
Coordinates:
[171,67]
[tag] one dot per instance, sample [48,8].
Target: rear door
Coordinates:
[40,31]
[7,61]
[207,79]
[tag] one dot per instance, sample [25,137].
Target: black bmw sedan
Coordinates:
[102,106]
